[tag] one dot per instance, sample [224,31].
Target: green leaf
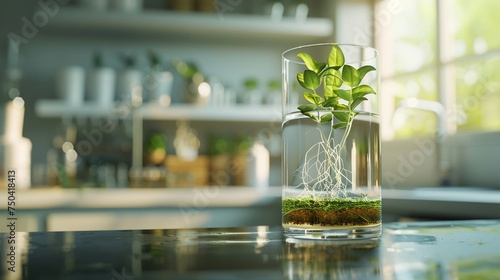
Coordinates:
[307,108]
[330,68]
[310,80]
[364,70]
[320,66]
[332,82]
[341,116]
[340,125]
[311,115]
[357,101]
[350,76]
[310,63]
[326,118]
[300,79]
[361,91]
[344,94]
[341,107]
[308,60]
[330,102]
[313,98]
[336,57]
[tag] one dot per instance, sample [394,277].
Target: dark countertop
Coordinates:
[417,250]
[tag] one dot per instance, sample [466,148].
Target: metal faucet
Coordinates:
[441,133]
[431,106]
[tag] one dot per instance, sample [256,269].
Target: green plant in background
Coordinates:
[185,69]
[224,145]
[154,60]
[218,145]
[156,148]
[343,92]
[241,144]
[250,84]
[129,61]
[197,90]
[274,85]
[97,60]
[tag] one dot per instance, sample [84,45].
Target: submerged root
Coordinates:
[323,169]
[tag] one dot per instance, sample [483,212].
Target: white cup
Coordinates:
[101,86]
[158,85]
[70,83]
[129,86]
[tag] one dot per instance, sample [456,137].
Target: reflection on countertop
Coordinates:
[418,250]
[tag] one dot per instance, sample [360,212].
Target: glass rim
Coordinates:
[299,61]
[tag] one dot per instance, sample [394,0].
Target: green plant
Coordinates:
[342,91]
[154,60]
[340,82]
[274,85]
[129,61]
[250,84]
[97,60]
[156,141]
[186,69]
[156,147]
[218,145]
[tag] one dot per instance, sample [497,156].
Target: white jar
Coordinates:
[70,85]
[101,86]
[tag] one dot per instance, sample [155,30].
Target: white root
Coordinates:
[324,161]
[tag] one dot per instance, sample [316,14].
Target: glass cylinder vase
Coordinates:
[331,144]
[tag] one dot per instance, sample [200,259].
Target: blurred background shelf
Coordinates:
[192,24]
[229,47]
[236,113]
[57,108]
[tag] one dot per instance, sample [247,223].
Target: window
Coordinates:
[446,51]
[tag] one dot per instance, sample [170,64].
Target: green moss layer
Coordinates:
[331,212]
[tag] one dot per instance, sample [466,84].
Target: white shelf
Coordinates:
[192,24]
[58,108]
[236,113]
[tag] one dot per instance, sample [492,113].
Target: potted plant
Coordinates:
[298,10]
[157,82]
[197,90]
[156,148]
[129,81]
[331,175]
[101,82]
[251,94]
[273,94]
[70,85]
